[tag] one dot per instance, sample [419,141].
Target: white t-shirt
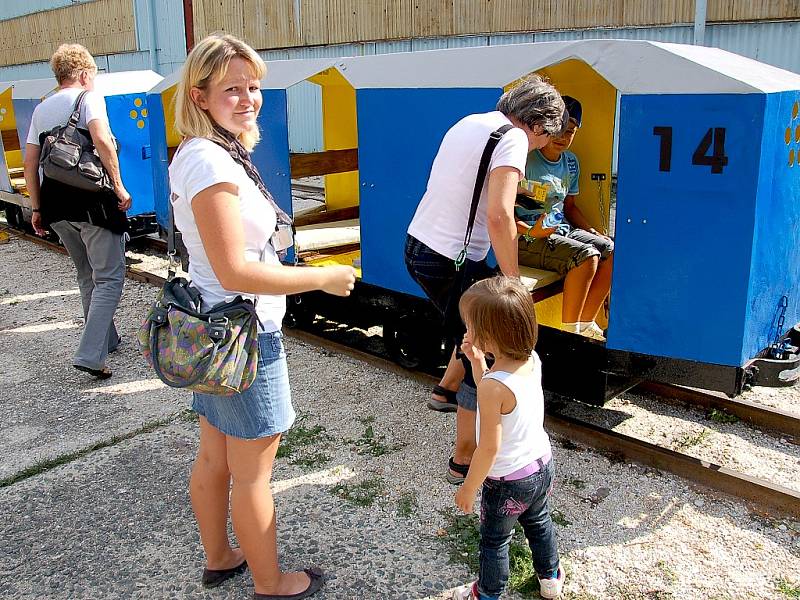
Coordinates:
[443,213]
[524,438]
[56,109]
[198,165]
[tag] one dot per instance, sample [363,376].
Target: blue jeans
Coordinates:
[444,286]
[503,503]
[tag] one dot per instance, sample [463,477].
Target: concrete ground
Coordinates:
[93,481]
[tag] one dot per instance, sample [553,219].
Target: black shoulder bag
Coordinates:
[68,156]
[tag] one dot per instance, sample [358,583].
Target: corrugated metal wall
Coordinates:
[773,43]
[170,40]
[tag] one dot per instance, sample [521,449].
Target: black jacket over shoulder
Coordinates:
[61,202]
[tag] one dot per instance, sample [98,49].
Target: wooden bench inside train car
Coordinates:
[16,175]
[541,284]
[325,235]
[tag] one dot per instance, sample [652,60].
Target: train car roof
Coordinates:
[126,82]
[631,66]
[33,88]
[282,74]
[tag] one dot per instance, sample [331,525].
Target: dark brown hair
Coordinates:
[500,310]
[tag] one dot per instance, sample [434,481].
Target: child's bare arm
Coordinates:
[491,397]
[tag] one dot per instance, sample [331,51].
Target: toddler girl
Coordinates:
[513,460]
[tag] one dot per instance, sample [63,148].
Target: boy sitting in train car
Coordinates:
[575,250]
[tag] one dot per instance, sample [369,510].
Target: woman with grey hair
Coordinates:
[529,114]
[91,225]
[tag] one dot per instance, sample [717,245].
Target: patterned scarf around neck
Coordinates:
[238,153]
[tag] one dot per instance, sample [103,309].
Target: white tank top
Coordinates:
[524,438]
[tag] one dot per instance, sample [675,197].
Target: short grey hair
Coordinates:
[535,101]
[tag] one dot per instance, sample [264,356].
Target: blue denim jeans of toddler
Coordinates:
[503,503]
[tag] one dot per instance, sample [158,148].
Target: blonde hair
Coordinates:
[500,310]
[207,63]
[69,60]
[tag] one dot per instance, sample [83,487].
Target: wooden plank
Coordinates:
[432,18]
[472,16]
[314,22]
[270,24]
[327,216]
[10,140]
[311,164]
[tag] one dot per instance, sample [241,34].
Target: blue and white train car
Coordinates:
[706,214]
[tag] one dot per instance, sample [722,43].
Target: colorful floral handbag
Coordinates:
[214,352]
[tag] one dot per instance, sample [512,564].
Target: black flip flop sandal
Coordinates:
[462,471]
[449,405]
[212,578]
[104,373]
[316,580]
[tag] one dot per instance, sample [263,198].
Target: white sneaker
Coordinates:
[593,331]
[464,592]
[551,588]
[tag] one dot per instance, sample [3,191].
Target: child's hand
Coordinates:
[473,353]
[465,499]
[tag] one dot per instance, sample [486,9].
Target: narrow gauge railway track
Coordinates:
[763,494]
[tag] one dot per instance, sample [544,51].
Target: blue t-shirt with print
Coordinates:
[552,182]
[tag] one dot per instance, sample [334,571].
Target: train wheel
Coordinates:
[405,342]
[14,216]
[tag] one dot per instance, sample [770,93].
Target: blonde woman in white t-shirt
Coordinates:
[228,219]
[513,461]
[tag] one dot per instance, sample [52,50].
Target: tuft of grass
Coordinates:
[669,574]
[299,437]
[189,416]
[311,461]
[576,483]
[372,443]
[363,494]
[462,537]
[722,416]
[407,504]
[688,440]
[787,588]
[559,518]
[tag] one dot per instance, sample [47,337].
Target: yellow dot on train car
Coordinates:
[1,118]
[795,110]
[791,157]
[137,102]
[2,111]
[140,124]
[135,115]
[797,134]
[144,112]
[788,135]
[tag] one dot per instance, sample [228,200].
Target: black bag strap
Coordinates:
[483,168]
[72,122]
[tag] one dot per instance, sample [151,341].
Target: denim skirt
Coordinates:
[265,408]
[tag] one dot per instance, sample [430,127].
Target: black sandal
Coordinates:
[104,373]
[212,578]
[462,471]
[315,576]
[449,405]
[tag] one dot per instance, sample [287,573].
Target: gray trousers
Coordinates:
[99,257]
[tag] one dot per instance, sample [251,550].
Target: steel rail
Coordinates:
[764,493]
[772,420]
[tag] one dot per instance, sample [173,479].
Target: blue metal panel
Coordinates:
[128,61]
[772,43]
[159,162]
[393,178]
[776,244]
[271,155]
[17,8]
[170,35]
[39,70]
[23,113]
[133,135]
[684,235]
